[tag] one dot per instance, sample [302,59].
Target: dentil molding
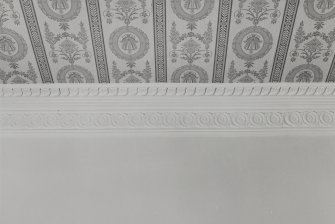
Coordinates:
[280,108]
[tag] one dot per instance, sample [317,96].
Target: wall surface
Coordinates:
[83,179]
[131,41]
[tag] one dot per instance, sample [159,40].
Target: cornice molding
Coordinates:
[169,120]
[222,108]
[93,90]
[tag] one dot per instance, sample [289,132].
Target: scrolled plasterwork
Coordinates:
[203,107]
[168,120]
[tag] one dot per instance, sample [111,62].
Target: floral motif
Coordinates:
[68,47]
[132,76]
[8,12]
[313,45]
[253,43]
[258,11]
[169,35]
[17,77]
[247,75]
[126,11]
[191,46]
[128,42]
[191,50]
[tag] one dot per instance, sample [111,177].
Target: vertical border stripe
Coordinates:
[284,40]
[159,17]
[331,75]
[94,17]
[224,20]
[36,40]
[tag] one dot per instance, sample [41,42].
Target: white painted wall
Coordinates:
[106,180]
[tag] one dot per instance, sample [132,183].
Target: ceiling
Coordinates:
[128,41]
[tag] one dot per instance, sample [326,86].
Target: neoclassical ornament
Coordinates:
[320,10]
[191,48]
[313,45]
[283,44]
[60,10]
[8,12]
[68,46]
[190,74]
[247,75]
[36,40]
[13,47]
[252,43]
[18,77]
[74,74]
[192,10]
[305,73]
[126,11]
[130,75]
[257,11]
[129,43]
[160,42]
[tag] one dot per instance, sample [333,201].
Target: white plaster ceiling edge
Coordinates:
[167,89]
[228,109]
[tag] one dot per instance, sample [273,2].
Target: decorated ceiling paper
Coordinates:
[189,41]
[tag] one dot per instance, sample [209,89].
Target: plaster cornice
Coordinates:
[93,90]
[229,108]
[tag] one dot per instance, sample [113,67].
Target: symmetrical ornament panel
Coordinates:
[179,41]
[17,63]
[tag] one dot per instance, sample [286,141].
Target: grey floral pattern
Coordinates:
[129,43]
[189,41]
[254,42]
[17,77]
